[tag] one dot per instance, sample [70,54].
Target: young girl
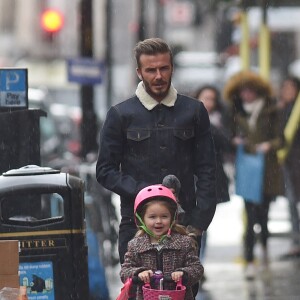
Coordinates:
[160,244]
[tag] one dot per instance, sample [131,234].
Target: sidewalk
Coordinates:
[224,264]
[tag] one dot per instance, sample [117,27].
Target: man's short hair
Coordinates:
[151,46]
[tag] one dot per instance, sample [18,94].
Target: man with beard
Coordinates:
[155,133]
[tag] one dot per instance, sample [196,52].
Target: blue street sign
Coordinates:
[13,88]
[85,70]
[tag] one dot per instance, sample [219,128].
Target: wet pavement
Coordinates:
[224,268]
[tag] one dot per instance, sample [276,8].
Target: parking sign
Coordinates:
[13,89]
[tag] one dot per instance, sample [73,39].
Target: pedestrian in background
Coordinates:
[161,244]
[217,112]
[210,97]
[155,133]
[288,94]
[255,124]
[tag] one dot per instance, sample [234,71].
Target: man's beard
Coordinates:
[159,94]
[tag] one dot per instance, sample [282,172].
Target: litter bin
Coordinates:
[43,208]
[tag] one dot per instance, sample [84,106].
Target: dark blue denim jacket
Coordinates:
[139,147]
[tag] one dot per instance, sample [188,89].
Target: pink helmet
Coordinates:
[151,191]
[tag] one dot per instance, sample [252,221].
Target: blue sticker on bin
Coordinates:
[38,278]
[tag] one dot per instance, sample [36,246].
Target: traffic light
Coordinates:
[51,21]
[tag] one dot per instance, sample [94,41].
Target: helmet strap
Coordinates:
[144,227]
[148,231]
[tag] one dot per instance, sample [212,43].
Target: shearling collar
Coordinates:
[149,102]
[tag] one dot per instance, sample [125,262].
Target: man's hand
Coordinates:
[198,231]
[194,230]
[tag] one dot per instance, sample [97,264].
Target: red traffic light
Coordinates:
[52,20]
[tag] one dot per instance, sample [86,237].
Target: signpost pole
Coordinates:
[19,126]
[89,118]
[108,54]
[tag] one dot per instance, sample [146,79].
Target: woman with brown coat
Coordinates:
[255,124]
